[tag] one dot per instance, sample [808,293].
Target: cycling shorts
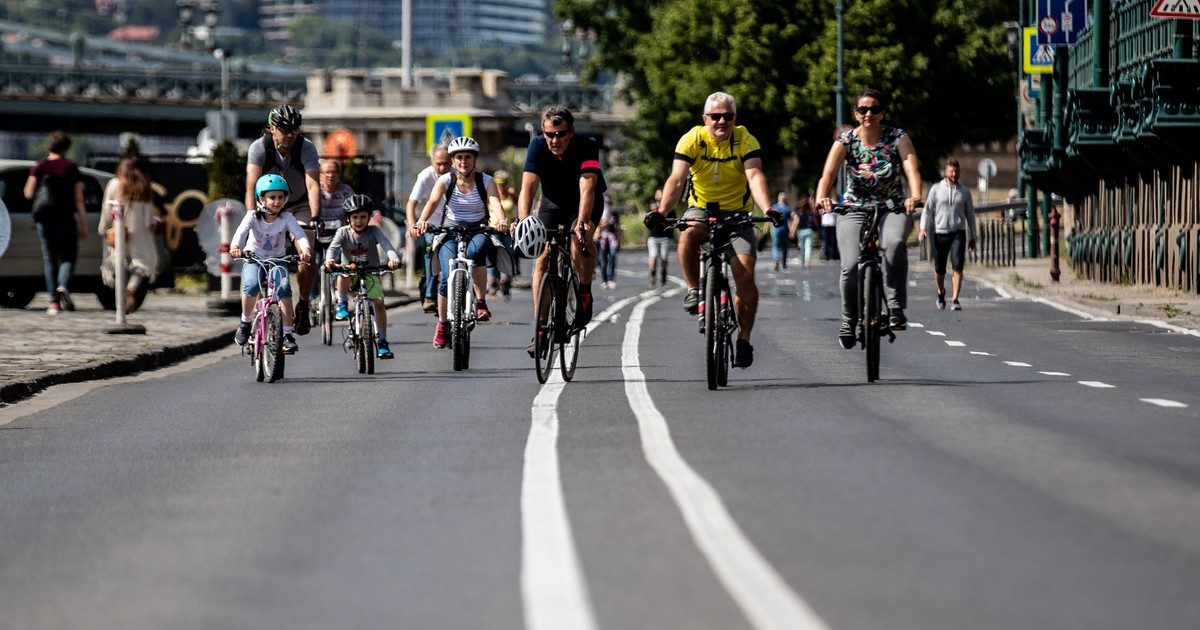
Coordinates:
[553,216]
[743,240]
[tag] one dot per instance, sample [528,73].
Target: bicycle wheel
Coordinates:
[369,339]
[459,341]
[568,350]
[713,337]
[326,315]
[273,345]
[543,328]
[725,348]
[257,362]
[872,322]
[360,328]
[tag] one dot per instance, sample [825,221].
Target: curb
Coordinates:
[12,392]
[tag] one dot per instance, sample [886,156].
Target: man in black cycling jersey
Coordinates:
[283,151]
[568,170]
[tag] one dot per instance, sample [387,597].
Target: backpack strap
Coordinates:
[479,186]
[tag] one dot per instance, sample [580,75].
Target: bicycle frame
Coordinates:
[556,324]
[266,368]
[358,336]
[461,290]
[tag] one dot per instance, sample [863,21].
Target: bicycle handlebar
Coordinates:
[888,206]
[457,229]
[280,260]
[354,268]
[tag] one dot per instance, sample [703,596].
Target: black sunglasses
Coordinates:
[719,116]
[557,134]
[873,109]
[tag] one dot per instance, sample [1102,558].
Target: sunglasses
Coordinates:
[557,134]
[719,116]
[864,110]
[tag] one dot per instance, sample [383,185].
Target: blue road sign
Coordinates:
[442,128]
[1059,21]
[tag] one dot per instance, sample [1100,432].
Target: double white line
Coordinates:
[553,587]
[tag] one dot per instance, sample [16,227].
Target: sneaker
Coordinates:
[243,333]
[303,317]
[846,334]
[54,309]
[955,306]
[64,300]
[343,312]
[289,345]
[383,351]
[429,306]
[941,301]
[898,320]
[534,342]
[439,336]
[691,301]
[583,310]
[481,311]
[744,357]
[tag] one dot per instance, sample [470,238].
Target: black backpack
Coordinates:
[479,186]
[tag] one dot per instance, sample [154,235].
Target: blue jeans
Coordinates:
[426,255]
[608,263]
[252,275]
[476,251]
[779,245]
[60,248]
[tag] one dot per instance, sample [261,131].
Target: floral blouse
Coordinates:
[873,172]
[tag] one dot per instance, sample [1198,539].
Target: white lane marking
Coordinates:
[1163,402]
[59,394]
[1001,291]
[1067,309]
[1054,373]
[1097,384]
[1170,327]
[954,344]
[982,354]
[1017,364]
[553,587]
[936,333]
[765,599]
[916,324]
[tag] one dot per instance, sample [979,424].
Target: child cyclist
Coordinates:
[264,232]
[357,243]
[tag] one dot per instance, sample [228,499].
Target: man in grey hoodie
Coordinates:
[949,211]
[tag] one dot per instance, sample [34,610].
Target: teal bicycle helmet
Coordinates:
[270,182]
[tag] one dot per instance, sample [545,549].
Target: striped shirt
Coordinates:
[467,207]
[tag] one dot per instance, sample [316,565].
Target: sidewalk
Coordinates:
[39,350]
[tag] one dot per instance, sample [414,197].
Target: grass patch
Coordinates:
[1098,298]
[191,283]
[1028,284]
[1171,311]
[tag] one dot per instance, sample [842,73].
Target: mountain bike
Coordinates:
[460,290]
[717,315]
[266,339]
[323,315]
[359,336]
[871,311]
[555,334]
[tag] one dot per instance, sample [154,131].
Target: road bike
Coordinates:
[266,338]
[717,314]
[871,310]
[460,291]
[323,315]
[555,333]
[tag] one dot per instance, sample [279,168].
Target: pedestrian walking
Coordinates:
[829,248]
[951,215]
[609,244]
[658,242]
[439,164]
[130,194]
[804,227]
[780,236]
[500,280]
[59,216]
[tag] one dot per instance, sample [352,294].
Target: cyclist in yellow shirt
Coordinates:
[724,165]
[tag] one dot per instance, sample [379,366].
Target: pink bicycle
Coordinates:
[266,339]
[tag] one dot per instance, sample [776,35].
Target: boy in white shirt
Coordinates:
[264,232]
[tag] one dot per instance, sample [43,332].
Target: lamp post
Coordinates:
[222,55]
[839,103]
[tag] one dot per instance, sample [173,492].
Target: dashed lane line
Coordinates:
[1017,364]
[1054,373]
[553,587]
[954,344]
[764,598]
[1163,402]
[1097,384]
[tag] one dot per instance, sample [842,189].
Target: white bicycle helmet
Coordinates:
[529,236]
[462,143]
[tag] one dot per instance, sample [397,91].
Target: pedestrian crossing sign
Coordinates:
[1176,9]
[442,128]
[1038,58]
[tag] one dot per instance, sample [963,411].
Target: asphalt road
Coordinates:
[1007,471]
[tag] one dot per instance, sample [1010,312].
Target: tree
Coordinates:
[945,65]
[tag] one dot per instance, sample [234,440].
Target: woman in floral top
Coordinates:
[874,155]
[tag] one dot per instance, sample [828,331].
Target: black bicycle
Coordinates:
[361,330]
[323,315]
[872,312]
[717,314]
[555,334]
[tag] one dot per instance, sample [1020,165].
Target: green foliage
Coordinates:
[944,64]
[226,172]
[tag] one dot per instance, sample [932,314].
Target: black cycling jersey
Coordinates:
[560,176]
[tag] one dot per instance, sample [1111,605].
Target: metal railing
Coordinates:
[534,97]
[1138,39]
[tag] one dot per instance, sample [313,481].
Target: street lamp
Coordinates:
[222,55]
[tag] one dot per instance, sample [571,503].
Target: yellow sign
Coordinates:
[442,128]
[1038,58]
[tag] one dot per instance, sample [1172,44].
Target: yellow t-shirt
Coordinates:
[718,171]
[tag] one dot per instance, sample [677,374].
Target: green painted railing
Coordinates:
[1139,38]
